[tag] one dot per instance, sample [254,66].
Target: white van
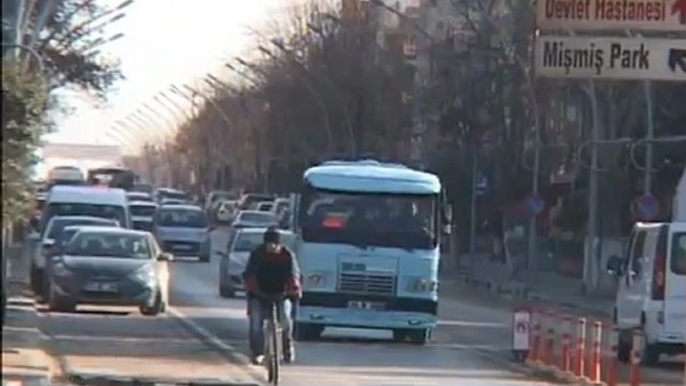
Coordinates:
[651,295]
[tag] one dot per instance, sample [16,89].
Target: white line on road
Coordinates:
[243,360]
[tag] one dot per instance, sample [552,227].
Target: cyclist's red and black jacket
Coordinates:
[272,273]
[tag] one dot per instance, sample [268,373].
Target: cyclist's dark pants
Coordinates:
[258,311]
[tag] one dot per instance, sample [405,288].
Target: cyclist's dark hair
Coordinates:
[272,235]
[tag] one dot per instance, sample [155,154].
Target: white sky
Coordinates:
[166,42]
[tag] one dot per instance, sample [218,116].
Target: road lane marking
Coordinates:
[243,362]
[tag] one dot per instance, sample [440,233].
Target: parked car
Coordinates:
[142,214]
[254,219]
[233,261]
[106,266]
[651,295]
[183,230]
[280,205]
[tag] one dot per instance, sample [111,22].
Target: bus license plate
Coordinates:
[366,305]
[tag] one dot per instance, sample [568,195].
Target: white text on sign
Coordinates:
[611,58]
[655,15]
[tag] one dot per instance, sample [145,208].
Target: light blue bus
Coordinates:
[368,247]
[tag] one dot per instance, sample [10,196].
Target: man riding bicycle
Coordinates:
[271,271]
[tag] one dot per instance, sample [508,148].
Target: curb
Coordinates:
[227,350]
[561,376]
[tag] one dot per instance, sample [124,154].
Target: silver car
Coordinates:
[183,230]
[234,260]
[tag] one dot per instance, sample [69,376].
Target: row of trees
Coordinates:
[324,85]
[39,56]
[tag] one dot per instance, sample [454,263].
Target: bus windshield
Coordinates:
[382,220]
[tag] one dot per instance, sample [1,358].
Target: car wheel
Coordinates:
[227,292]
[60,304]
[158,306]
[306,331]
[650,355]
[624,346]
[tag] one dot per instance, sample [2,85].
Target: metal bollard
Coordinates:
[594,372]
[566,332]
[613,360]
[580,348]
[636,347]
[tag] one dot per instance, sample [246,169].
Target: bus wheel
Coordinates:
[306,331]
[400,335]
[419,337]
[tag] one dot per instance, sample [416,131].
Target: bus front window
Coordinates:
[400,221]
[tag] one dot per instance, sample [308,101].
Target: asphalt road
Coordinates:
[470,348]
[459,354]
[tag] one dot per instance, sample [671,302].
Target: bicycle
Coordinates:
[272,337]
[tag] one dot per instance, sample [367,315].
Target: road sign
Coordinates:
[611,58]
[594,15]
[645,207]
[521,321]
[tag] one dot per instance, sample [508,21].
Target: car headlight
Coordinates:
[317,279]
[61,270]
[419,284]
[145,274]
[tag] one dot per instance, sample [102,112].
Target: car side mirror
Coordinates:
[165,256]
[615,266]
[222,254]
[48,243]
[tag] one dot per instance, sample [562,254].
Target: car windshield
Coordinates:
[257,218]
[678,263]
[248,241]
[105,244]
[58,224]
[401,221]
[113,212]
[142,210]
[181,196]
[266,207]
[187,218]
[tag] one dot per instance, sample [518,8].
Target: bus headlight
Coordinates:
[419,284]
[317,279]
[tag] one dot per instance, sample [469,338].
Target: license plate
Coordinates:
[183,247]
[366,305]
[101,287]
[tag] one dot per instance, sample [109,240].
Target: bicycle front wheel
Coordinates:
[274,343]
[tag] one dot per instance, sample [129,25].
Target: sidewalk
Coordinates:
[545,288]
[23,358]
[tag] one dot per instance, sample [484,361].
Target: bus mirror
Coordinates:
[447,214]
